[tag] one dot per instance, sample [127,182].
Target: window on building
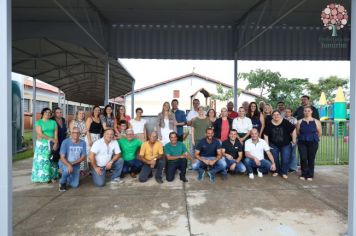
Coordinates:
[26,105]
[70,110]
[175,93]
[54,105]
[40,105]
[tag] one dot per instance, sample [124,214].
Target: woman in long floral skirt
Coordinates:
[44,170]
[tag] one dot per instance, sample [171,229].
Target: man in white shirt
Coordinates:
[254,151]
[105,155]
[193,113]
[243,125]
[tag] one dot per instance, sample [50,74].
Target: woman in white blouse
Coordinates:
[243,125]
[139,125]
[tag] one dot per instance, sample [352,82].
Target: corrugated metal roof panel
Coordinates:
[215,42]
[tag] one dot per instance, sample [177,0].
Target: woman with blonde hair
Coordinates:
[166,123]
[267,112]
[79,122]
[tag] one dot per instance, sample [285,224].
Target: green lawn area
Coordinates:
[23,155]
[28,143]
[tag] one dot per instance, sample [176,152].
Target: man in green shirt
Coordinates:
[177,155]
[130,147]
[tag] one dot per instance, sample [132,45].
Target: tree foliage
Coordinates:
[289,91]
[327,85]
[275,88]
[264,80]
[224,94]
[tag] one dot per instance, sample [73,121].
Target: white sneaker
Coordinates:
[117,181]
[251,176]
[259,173]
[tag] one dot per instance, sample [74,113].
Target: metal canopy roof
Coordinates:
[181,29]
[174,11]
[77,71]
[70,38]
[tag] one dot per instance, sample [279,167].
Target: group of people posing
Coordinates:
[254,140]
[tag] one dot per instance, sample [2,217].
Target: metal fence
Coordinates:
[334,143]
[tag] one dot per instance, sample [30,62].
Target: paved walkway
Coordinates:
[239,206]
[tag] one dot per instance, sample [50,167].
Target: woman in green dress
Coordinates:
[43,169]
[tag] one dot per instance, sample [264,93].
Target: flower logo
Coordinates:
[334,17]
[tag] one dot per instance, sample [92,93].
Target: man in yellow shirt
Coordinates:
[151,155]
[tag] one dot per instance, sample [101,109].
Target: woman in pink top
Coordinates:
[222,126]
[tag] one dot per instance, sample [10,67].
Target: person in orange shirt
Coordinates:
[151,155]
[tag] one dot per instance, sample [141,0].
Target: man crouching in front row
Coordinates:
[177,154]
[151,155]
[105,155]
[208,153]
[254,149]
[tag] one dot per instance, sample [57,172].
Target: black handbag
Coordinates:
[54,157]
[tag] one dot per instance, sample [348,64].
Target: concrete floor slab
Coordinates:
[237,206]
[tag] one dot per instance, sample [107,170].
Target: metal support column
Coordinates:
[67,113]
[352,132]
[235,81]
[64,108]
[59,98]
[34,136]
[133,100]
[107,81]
[5,120]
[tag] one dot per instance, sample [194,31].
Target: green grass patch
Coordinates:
[27,142]
[27,138]
[22,155]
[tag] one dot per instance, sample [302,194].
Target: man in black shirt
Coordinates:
[232,152]
[299,113]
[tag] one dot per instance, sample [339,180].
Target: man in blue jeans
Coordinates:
[232,152]
[105,155]
[130,147]
[208,155]
[72,153]
[254,151]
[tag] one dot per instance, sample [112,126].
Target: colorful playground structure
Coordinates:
[336,110]
[334,116]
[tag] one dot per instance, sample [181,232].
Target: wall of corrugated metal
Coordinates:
[213,42]
[174,41]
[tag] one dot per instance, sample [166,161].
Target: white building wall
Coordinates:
[151,100]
